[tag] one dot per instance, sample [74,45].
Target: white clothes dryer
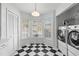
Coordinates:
[73,39]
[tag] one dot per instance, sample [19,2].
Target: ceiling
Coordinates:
[42,8]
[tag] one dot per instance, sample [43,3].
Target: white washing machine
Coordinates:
[73,39]
[61,33]
[61,39]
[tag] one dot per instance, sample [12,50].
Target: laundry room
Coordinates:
[68,33]
[39,29]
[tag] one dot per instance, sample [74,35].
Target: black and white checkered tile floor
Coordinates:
[38,49]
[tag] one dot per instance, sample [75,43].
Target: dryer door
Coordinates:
[73,38]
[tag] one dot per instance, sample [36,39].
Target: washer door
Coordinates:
[73,38]
[60,35]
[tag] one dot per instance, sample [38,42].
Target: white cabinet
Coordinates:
[62,47]
[70,53]
[73,50]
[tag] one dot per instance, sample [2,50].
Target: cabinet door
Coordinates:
[70,54]
[10,30]
[62,47]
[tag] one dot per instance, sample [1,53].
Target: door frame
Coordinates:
[8,10]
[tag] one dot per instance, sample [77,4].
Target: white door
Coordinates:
[15,31]
[10,30]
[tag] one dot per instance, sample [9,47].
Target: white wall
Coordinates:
[63,8]
[0,21]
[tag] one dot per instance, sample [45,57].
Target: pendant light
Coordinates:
[35,13]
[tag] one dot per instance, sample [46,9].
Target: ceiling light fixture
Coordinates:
[35,13]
